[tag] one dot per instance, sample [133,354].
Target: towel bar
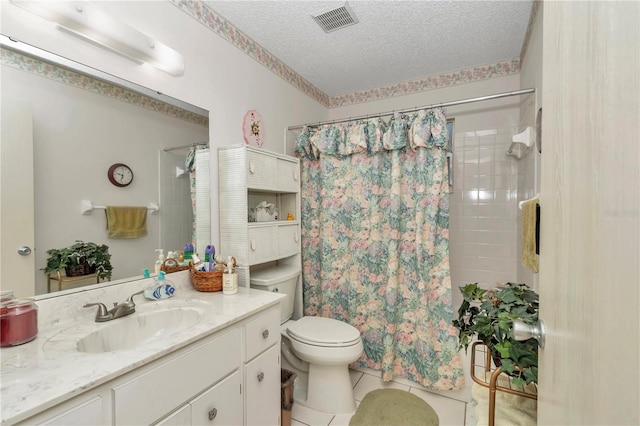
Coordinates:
[524,201]
[86,207]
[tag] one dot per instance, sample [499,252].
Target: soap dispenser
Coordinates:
[160,260]
[229,278]
[160,289]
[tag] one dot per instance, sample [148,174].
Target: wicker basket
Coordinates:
[171,265]
[207,281]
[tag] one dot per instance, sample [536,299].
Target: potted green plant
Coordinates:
[489,315]
[81,258]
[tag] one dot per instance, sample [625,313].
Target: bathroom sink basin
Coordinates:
[136,329]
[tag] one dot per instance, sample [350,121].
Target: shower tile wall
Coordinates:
[483,210]
[175,202]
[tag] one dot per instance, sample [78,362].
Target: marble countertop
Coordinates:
[49,370]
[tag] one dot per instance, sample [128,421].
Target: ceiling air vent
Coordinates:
[336,18]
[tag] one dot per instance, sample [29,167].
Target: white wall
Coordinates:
[218,77]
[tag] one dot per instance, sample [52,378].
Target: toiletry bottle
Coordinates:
[188,252]
[209,254]
[160,260]
[229,278]
[197,263]
[160,289]
[145,273]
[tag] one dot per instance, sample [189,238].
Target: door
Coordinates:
[17,272]
[590,206]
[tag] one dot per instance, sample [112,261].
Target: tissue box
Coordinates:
[264,212]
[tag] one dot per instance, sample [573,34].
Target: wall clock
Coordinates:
[253,128]
[120,174]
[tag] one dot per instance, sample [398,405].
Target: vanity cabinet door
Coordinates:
[262,377]
[220,405]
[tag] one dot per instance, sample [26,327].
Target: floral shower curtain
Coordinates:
[375,221]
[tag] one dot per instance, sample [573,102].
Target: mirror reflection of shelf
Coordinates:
[61,279]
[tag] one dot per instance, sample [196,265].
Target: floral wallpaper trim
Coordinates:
[216,23]
[63,75]
[468,75]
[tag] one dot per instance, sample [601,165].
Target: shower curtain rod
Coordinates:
[191,145]
[443,104]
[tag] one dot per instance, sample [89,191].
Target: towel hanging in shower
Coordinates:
[529,239]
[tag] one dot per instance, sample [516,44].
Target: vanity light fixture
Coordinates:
[88,21]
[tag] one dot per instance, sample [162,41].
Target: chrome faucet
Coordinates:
[119,309]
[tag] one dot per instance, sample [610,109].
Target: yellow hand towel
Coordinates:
[529,217]
[126,222]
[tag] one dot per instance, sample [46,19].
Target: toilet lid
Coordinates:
[323,332]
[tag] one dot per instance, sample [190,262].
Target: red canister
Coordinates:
[18,321]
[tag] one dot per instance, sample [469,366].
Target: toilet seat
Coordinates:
[325,332]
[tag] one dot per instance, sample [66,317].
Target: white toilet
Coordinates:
[319,350]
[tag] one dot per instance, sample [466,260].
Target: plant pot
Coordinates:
[80,269]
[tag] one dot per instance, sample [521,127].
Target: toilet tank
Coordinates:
[282,279]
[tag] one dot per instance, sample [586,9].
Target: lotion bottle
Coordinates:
[229,278]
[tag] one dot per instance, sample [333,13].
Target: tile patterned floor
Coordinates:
[450,408]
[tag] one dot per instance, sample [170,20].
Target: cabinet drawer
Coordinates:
[263,242]
[261,171]
[262,377]
[151,395]
[288,240]
[220,405]
[288,176]
[262,332]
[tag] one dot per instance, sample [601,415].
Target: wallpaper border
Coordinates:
[199,11]
[60,74]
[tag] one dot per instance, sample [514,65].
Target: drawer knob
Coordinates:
[252,167]
[213,413]
[295,175]
[253,244]
[296,237]
[265,334]
[275,290]
[260,377]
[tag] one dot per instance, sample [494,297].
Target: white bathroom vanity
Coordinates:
[196,358]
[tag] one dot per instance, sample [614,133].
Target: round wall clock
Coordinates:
[120,174]
[253,128]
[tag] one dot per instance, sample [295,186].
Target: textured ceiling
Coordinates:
[394,41]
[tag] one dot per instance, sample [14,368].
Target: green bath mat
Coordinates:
[393,407]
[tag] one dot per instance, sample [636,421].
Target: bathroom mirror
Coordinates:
[83,121]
